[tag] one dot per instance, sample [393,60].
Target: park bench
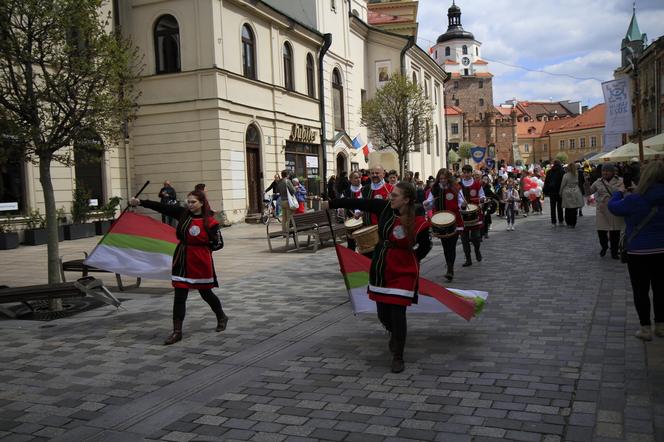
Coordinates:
[63,290]
[76,265]
[316,225]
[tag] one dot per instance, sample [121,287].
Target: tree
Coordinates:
[464,150]
[399,117]
[562,156]
[63,77]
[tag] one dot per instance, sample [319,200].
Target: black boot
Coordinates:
[397,360]
[468,262]
[478,255]
[222,321]
[392,344]
[176,336]
[450,274]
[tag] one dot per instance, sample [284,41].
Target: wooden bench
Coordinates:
[63,290]
[76,265]
[316,225]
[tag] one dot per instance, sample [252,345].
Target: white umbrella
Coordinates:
[629,151]
[655,143]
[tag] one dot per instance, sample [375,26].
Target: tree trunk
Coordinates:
[53,246]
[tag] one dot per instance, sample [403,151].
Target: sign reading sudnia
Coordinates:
[302,134]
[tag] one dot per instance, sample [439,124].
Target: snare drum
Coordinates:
[443,224]
[352,224]
[471,216]
[366,238]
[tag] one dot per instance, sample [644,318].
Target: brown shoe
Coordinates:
[176,335]
[221,323]
[397,364]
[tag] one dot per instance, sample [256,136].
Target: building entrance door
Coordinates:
[341,164]
[254,172]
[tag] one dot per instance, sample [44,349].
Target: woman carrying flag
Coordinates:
[403,242]
[199,235]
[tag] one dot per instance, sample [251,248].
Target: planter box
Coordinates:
[35,237]
[78,231]
[8,240]
[101,227]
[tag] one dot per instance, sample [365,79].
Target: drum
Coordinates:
[443,224]
[490,207]
[352,224]
[471,216]
[366,238]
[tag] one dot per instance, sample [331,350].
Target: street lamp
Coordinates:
[633,59]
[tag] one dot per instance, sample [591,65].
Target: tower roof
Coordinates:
[633,31]
[454,29]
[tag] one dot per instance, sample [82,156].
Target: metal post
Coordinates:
[637,94]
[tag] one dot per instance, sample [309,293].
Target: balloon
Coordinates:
[526,193]
[532,197]
[538,192]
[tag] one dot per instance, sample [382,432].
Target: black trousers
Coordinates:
[352,244]
[393,318]
[501,209]
[609,235]
[449,249]
[525,204]
[644,273]
[486,224]
[470,236]
[571,215]
[556,202]
[180,302]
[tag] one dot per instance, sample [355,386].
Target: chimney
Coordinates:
[584,108]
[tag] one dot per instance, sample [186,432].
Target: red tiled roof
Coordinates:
[453,110]
[477,74]
[522,128]
[506,111]
[592,118]
[480,62]
[378,18]
[450,62]
[483,74]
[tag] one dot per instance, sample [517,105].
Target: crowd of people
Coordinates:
[455,204]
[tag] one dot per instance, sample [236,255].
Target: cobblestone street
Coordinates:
[551,358]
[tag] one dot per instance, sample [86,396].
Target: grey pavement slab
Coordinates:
[552,357]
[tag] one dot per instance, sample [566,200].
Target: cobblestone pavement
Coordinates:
[551,358]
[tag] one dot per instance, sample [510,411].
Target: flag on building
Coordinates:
[433,298]
[367,149]
[136,245]
[357,142]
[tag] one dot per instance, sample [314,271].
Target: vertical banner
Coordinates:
[617,96]
[477,153]
[611,141]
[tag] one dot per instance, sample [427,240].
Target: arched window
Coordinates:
[415,77]
[311,86]
[437,142]
[288,67]
[338,100]
[248,53]
[447,51]
[428,129]
[477,51]
[167,45]
[464,50]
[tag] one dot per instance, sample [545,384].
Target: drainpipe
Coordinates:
[404,138]
[327,42]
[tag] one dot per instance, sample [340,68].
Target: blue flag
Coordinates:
[477,153]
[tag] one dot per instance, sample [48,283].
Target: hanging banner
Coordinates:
[617,96]
[477,153]
[611,141]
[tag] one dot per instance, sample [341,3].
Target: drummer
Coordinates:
[445,195]
[393,277]
[473,193]
[353,192]
[376,189]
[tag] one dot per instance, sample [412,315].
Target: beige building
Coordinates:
[233,92]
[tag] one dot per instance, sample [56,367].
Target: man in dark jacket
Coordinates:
[168,196]
[554,178]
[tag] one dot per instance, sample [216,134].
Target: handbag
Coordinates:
[624,242]
[292,201]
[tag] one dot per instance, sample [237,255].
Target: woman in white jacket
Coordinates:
[510,197]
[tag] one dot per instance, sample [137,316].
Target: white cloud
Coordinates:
[581,39]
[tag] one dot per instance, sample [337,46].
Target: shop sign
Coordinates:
[302,134]
[8,206]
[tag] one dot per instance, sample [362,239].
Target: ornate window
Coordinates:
[167,45]
[311,86]
[248,53]
[338,100]
[464,50]
[288,67]
[447,51]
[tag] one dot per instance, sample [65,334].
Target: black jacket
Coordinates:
[553,180]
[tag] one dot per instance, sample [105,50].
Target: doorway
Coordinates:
[341,164]
[254,172]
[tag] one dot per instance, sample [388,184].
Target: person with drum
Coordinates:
[490,205]
[473,195]
[353,217]
[199,235]
[376,189]
[446,200]
[403,241]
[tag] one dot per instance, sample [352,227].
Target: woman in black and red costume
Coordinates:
[193,268]
[403,242]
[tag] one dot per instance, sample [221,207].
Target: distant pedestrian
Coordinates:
[168,196]
[551,189]
[644,216]
[571,195]
[608,225]
[300,194]
[285,187]
[510,197]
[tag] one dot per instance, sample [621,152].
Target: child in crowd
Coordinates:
[510,197]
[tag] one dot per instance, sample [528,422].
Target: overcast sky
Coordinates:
[574,37]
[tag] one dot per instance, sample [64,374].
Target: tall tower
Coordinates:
[634,40]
